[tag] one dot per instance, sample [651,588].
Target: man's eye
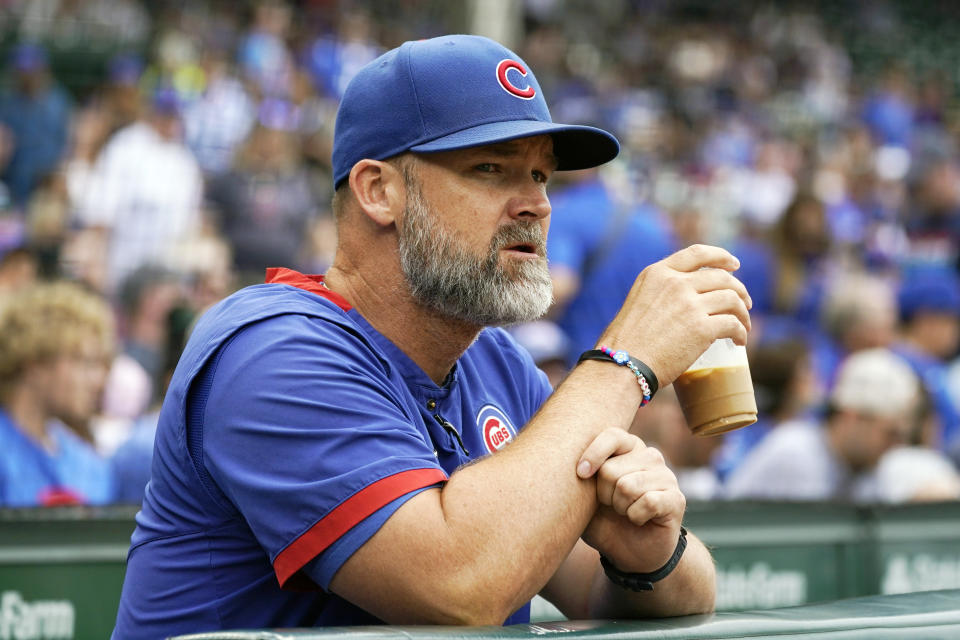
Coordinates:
[486,167]
[541,177]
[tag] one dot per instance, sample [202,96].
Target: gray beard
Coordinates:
[446,277]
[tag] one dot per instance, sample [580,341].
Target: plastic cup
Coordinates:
[716,391]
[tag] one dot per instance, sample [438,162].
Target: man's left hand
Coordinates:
[637,524]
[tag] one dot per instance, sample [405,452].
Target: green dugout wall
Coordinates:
[780,554]
[61,569]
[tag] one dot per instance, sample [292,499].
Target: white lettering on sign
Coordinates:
[38,620]
[905,573]
[759,587]
[549,629]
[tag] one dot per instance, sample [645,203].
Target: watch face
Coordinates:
[620,357]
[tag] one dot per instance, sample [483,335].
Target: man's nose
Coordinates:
[533,204]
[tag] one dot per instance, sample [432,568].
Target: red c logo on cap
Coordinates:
[509,87]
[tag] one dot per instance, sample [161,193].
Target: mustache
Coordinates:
[530,233]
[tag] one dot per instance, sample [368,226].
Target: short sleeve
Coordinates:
[305,434]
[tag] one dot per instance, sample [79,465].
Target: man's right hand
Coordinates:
[678,306]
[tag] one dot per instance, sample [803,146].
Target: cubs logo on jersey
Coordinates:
[495,428]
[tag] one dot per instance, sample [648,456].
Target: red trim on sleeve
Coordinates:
[311,283]
[351,511]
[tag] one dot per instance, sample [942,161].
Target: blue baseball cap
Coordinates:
[932,290]
[452,92]
[28,56]
[125,70]
[166,101]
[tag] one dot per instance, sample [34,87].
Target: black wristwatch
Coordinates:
[644,581]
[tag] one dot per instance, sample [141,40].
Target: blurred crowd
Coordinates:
[156,156]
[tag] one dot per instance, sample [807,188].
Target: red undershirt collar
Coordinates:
[307,282]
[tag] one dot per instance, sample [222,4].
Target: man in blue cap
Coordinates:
[143,193]
[362,447]
[36,109]
[929,304]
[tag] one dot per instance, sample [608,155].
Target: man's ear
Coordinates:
[379,190]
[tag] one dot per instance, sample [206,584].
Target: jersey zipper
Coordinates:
[452,430]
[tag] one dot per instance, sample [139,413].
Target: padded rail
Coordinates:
[934,614]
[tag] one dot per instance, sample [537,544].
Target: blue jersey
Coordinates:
[932,373]
[290,433]
[71,473]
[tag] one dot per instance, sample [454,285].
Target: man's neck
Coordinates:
[433,341]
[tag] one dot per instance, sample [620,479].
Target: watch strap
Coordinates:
[644,581]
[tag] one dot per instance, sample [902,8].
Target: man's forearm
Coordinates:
[500,528]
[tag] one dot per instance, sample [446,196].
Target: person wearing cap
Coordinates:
[36,110]
[143,192]
[264,205]
[929,304]
[872,408]
[120,101]
[593,265]
[368,446]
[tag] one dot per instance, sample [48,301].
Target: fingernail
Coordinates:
[583,469]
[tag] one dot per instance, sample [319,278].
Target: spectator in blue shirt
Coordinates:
[37,112]
[597,245]
[55,341]
[930,332]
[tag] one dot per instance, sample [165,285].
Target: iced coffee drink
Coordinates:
[716,392]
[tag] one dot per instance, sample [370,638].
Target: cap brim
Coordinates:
[575,146]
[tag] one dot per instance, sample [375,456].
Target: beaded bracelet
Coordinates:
[645,376]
